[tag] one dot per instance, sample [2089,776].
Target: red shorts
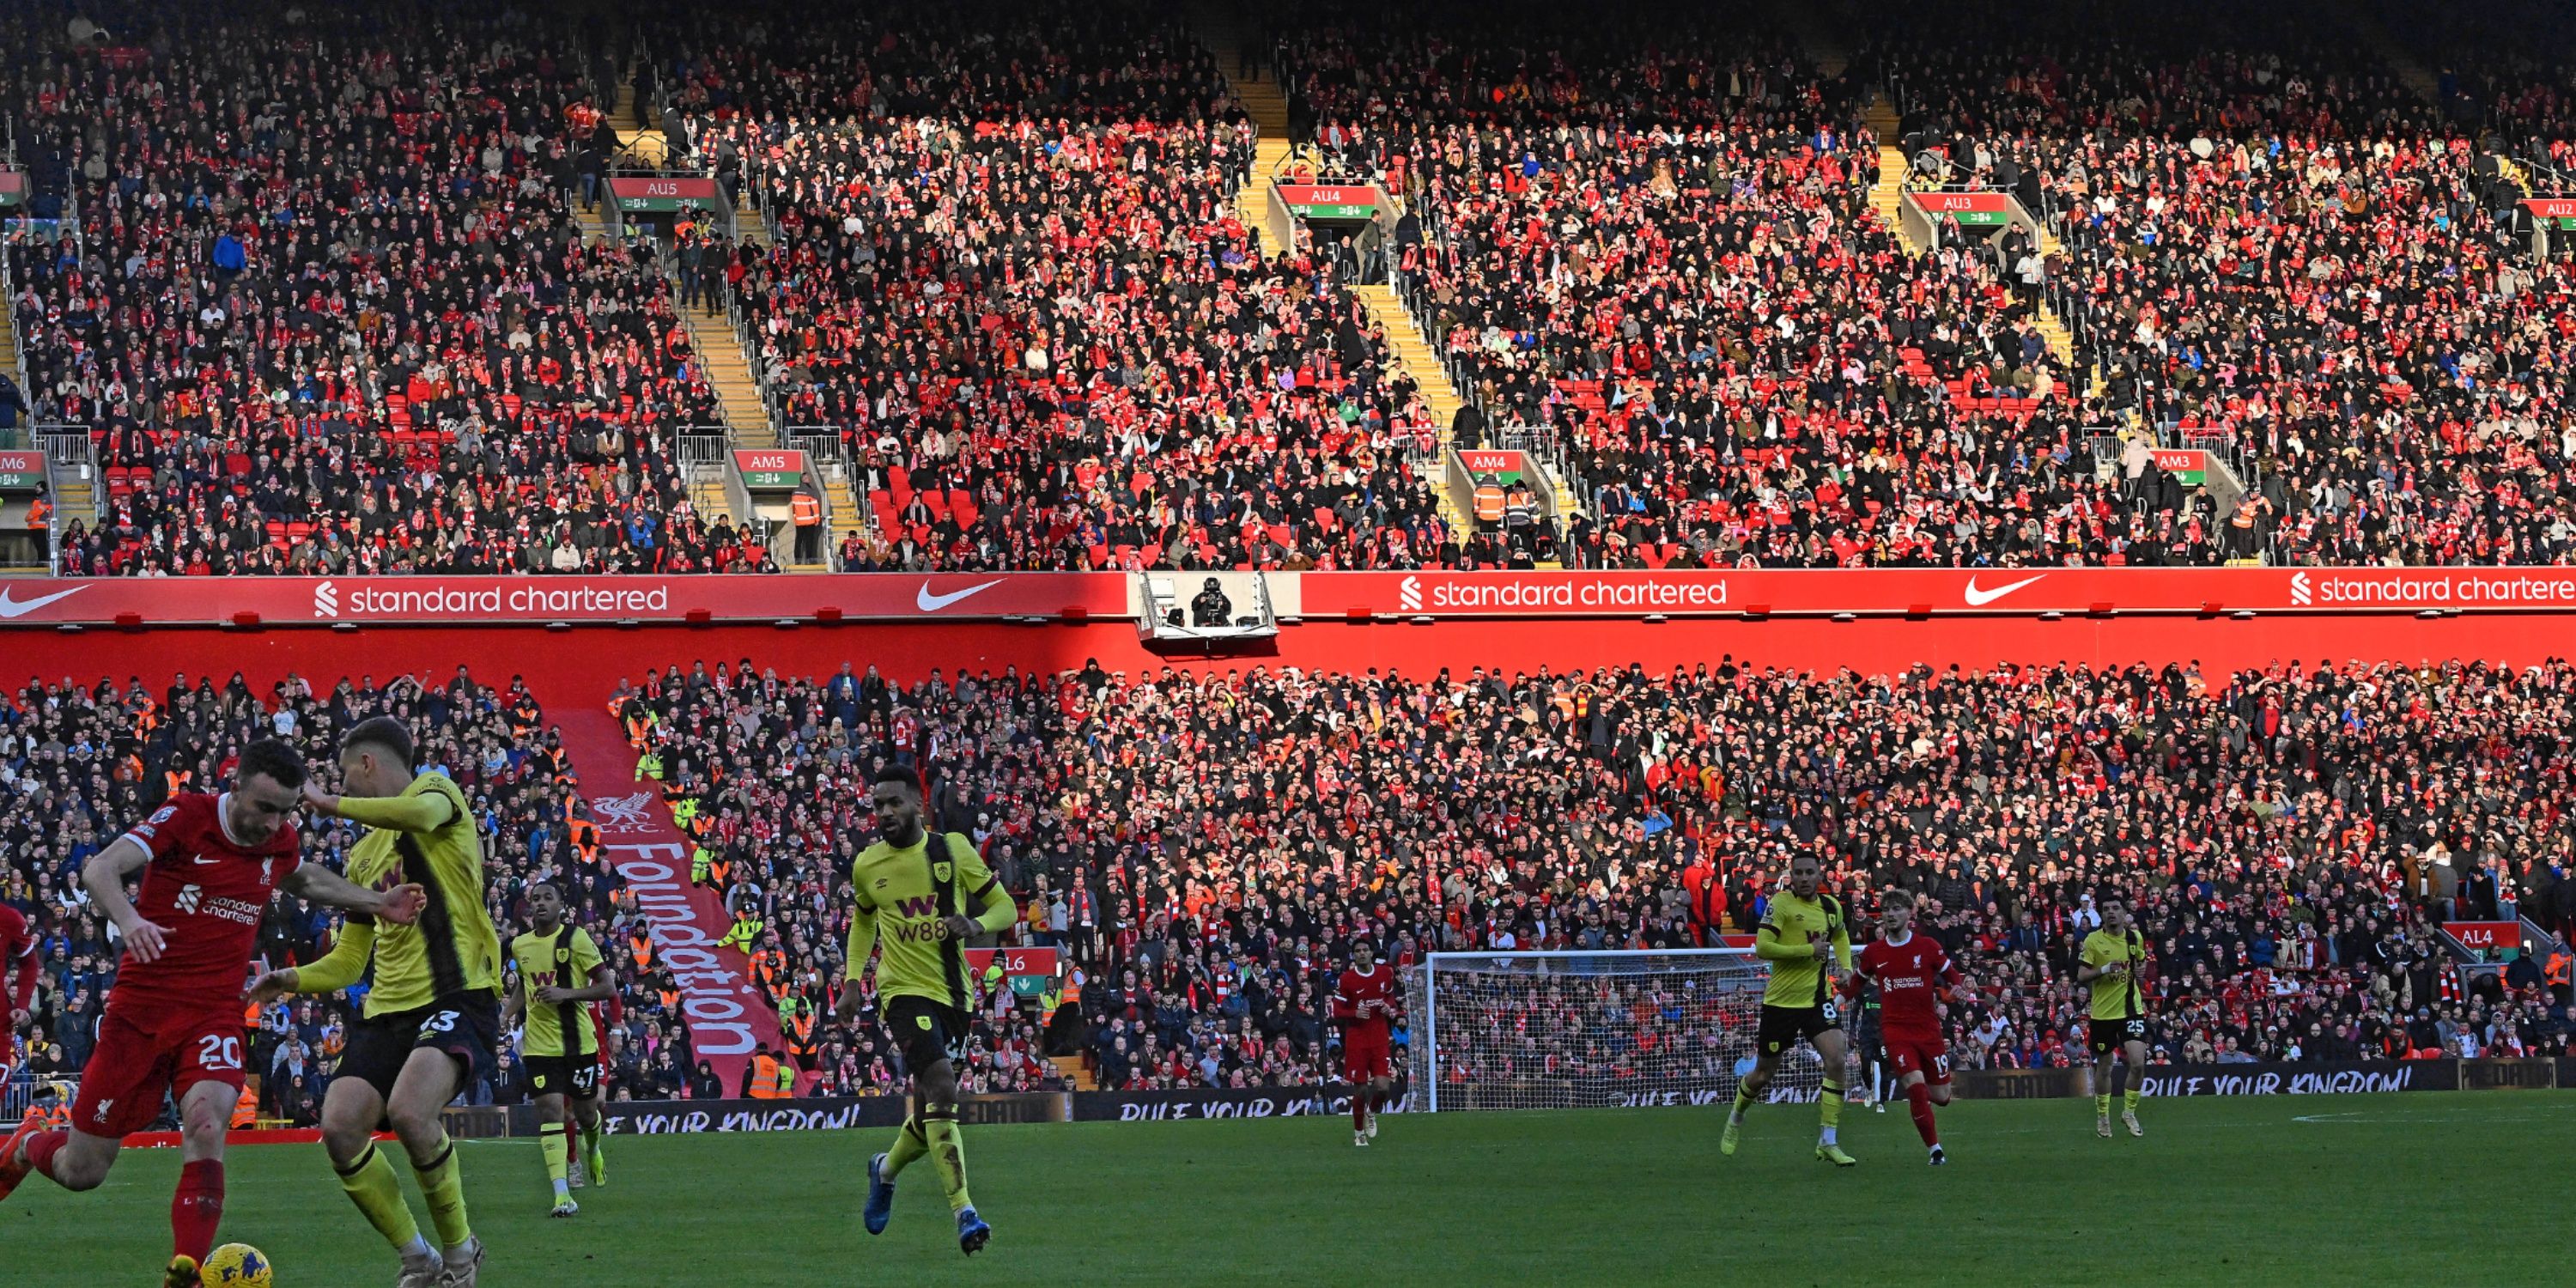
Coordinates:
[1365,1058]
[1927,1056]
[148,1050]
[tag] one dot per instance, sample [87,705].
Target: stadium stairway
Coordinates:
[73,492]
[633,130]
[1268,109]
[1887,196]
[712,335]
[1415,355]
[844,513]
[1075,1075]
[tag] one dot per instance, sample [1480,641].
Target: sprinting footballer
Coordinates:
[1802,931]
[908,892]
[173,1026]
[1913,974]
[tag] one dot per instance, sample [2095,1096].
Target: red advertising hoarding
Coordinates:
[536,601]
[1938,591]
[1735,592]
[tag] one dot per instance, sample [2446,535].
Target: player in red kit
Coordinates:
[1914,974]
[1364,1005]
[173,1025]
[17,983]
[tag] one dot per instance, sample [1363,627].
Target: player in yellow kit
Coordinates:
[2112,956]
[1802,932]
[909,894]
[433,1012]
[560,974]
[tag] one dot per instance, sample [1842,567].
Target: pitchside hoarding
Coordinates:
[1734,592]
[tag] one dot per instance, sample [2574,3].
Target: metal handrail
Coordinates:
[701,445]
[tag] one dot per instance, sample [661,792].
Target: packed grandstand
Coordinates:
[337,293]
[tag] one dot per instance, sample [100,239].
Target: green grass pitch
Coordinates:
[2288,1190]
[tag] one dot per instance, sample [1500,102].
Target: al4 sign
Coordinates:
[2482,936]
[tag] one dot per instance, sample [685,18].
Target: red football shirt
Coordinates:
[1910,978]
[1354,988]
[17,977]
[208,892]
[17,965]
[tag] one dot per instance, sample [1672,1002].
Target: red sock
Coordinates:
[197,1209]
[1921,1095]
[1360,1108]
[40,1152]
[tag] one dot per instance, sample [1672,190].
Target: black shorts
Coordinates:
[2111,1035]
[1782,1026]
[927,1032]
[576,1076]
[463,1026]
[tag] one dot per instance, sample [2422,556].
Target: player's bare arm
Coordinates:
[104,876]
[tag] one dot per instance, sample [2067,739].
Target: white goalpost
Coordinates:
[1574,1029]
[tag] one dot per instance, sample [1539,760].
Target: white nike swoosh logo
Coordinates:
[1980,598]
[10,607]
[931,603]
[202,862]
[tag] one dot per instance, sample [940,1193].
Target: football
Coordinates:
[236,1265]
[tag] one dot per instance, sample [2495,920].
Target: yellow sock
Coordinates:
[2102,1104]
[443,1186]
[1829,1105]
[909,1145]
[948,1154]
[2129,1100]
[550,1141]
[372,1185]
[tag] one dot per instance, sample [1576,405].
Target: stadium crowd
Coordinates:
[2292,255]
[1205,848]
[1025,302]
[79,764]
[329,312]
[1003,265]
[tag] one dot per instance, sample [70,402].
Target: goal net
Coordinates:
[1570,1030]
